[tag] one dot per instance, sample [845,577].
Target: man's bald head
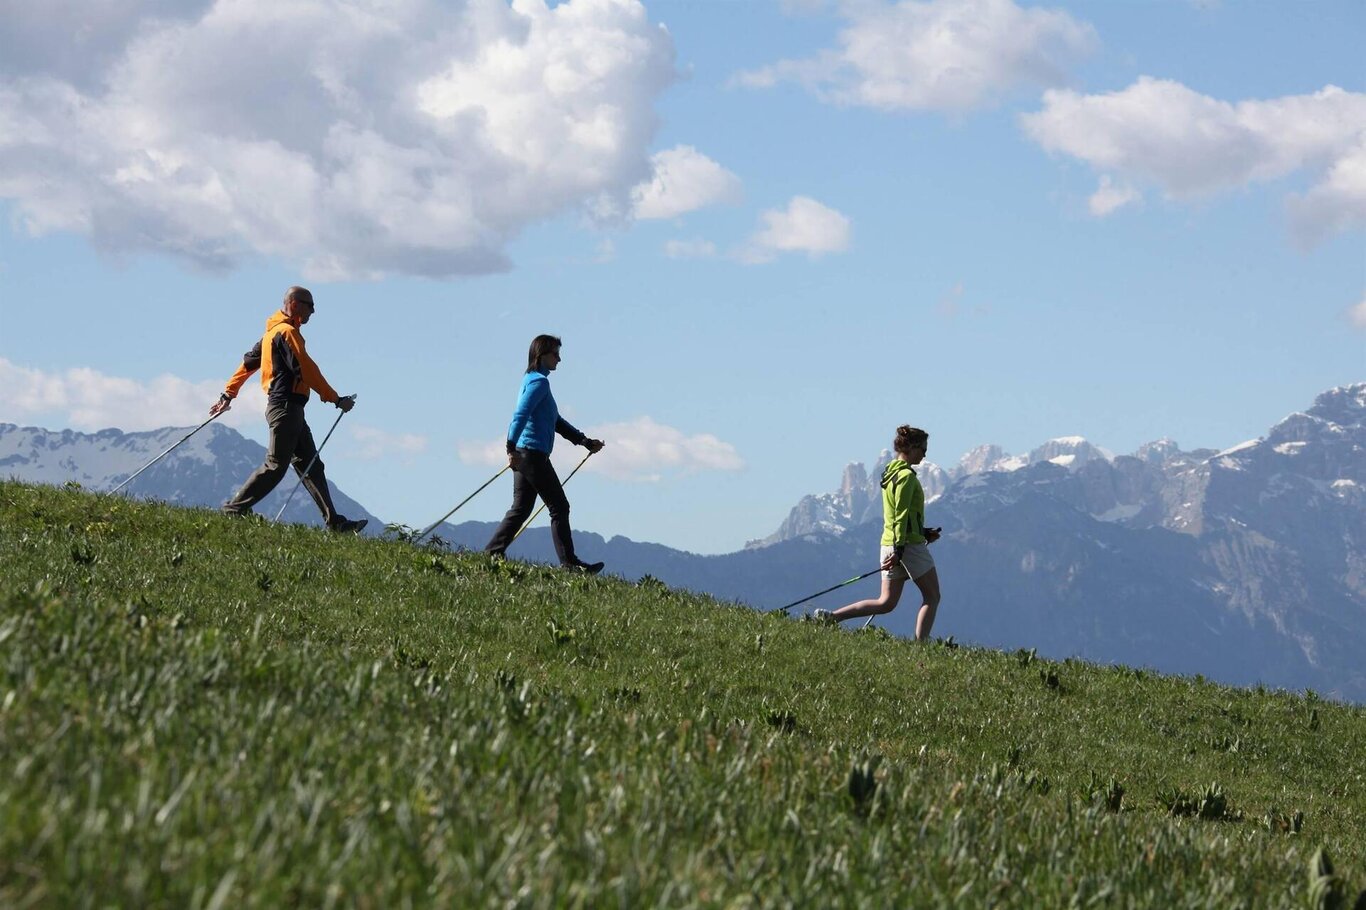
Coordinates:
[299,295]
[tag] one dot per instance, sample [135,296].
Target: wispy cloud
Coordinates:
[1110,197]
[952,302]
[689,249]
[81,398]
[639,450]
[941,55]
[1356,315]
[373,444]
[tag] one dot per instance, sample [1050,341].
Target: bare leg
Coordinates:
[891,593]
[929,592]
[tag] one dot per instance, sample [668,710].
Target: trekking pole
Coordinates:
[850,581]
[433,525]
[316,454]
[165,453]
[538,511]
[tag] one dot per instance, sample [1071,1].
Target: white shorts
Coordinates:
[916,557]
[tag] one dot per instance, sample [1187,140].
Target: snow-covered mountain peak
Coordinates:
[1159,450]
[987,458]
[1070,452]
[1344,405]
[204,470]
[1240,447]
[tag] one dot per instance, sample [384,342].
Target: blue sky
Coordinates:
[767,232]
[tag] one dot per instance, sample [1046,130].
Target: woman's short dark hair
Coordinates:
[540,346]
[908,436]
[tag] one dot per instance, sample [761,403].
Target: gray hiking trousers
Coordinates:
[291,441]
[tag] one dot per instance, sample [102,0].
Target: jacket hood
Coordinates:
[278,318]
[894,467]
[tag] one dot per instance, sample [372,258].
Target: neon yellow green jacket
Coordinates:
[903,505]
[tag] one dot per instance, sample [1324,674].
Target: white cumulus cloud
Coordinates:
[1110,197]
[642,449]
[486,453]
[81,398]
[805,226]
[945,55]
[684,180]
[639,450]
[1337,203]
[358,139]
[1192,146]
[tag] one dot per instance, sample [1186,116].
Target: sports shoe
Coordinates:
[824,617]
[586,568]
[347,525]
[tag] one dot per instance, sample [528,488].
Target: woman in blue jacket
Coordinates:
[531,436]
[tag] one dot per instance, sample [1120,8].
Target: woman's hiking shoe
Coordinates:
[824,617]
[586,568]
[348,526]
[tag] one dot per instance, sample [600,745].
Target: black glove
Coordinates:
[932,534]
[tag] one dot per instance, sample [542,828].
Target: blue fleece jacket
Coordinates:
[536,419]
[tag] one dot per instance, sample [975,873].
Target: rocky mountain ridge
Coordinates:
[205,471]
[1247,565]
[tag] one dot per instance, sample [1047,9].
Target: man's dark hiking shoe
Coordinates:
[586,568]
[236,513]
[348,526]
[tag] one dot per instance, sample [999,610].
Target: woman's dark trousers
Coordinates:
[535,476]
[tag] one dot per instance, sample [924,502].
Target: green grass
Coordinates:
[201,712]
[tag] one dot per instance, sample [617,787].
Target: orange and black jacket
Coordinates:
[287,372]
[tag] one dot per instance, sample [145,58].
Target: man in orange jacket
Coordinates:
[287,374]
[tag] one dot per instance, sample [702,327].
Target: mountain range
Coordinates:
[205,471]
[1247,564]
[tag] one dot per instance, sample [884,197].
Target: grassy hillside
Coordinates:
[202,712]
